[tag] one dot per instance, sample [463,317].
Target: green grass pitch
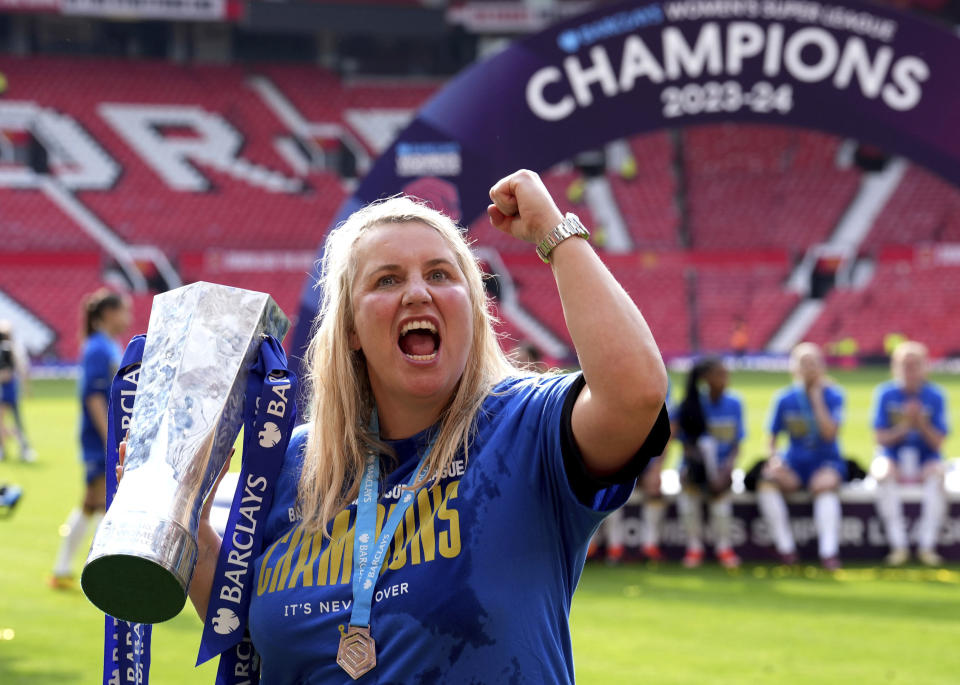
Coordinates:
[633,624]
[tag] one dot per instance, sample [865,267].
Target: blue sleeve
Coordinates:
[97,372]
[939,416]
[549,403]
[880,418]
[834,399]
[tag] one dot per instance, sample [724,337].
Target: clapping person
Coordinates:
[910,423]
[709,426]
[810,412]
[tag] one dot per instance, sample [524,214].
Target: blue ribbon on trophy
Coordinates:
[126,647]
[211,363]
[269,418]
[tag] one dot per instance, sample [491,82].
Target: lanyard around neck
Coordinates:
[368,555]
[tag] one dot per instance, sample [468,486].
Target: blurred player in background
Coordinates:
[709,426]
[106,317]
[611,533]
[810,412]
[910,420]
[653,503]
[14,368]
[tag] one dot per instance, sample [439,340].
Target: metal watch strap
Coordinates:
[569,227]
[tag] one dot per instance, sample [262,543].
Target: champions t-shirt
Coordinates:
[792,413]
[724,419]
[481,572]
[101,358]
[889,403]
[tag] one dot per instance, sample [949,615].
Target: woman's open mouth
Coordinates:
[419,340]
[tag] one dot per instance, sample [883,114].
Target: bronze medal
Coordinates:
[357,653]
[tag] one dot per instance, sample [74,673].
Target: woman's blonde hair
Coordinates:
[799,352]
[342,400]
[902,351]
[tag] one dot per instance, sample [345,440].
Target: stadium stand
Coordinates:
[239,206]
[923,209]
[648,200]
[32,222]
[752,293]
[51,285]
[737,187]
[659,288]
[751,187]
[910,298]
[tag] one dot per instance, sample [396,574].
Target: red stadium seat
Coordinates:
[763,187]
[922,209]
[915,300]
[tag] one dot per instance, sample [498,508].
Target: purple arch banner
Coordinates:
[848,68]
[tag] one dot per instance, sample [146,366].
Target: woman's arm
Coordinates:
[888,437]
[625,376]
[208,551]
[930,434]
[826,426]
[96,405]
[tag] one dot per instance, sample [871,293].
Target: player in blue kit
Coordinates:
[810,412]
[508,473]
[910,421]
[709,426]
[13,377]
[106,316]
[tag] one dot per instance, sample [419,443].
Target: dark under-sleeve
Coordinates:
[585,485]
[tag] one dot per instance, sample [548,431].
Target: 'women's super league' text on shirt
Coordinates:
[807,450]
[889,402]
[101,358]
[478,580]
[724,419]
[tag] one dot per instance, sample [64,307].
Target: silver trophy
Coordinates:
[201,342]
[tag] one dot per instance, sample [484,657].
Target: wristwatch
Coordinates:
[569,227]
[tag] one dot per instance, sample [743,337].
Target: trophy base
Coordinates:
[144,580]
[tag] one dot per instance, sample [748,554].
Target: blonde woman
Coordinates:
[810,412]
[910,423]
[508,474]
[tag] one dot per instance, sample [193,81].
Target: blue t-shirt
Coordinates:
[793,414]
[724,420]
[889,401]
[480,588]
[101,359]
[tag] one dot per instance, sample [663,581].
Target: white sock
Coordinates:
[689,505]
[774,510]
[826,516]
[890,509]
[613,528]
[73,531]
[721,518]
[932,514]
[652,515]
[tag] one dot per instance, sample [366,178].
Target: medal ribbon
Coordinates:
[367,561]
[269,419]
[126,645]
